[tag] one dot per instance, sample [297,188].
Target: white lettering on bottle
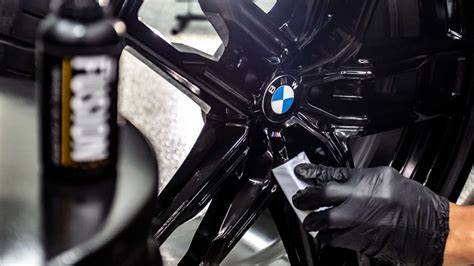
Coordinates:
[90,105]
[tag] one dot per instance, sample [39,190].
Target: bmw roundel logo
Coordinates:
[283,99]
[280,98]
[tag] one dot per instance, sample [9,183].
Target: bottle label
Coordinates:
[81,110]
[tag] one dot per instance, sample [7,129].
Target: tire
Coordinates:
[19,20]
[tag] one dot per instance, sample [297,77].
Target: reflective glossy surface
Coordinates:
[364,67]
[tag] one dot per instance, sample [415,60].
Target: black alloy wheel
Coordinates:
[350,82]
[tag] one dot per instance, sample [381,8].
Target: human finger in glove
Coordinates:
[381,214]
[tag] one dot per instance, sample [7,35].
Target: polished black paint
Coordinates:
[211,222]
[250,201]
[218,152]
[362,72]
[364,67]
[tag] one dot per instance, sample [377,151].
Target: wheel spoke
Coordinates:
[199,75]
[338,34]
[317,14]
[218,151]
[246,24]
[250,201]
[299,245]
[392,57]
[335,141]
[302,19]
[210,224]
[246,207]
[384,91]
[281,11]
[362,84]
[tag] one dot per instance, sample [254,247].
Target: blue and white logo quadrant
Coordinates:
[283,99]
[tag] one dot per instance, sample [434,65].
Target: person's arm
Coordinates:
[459,248]
[385,216]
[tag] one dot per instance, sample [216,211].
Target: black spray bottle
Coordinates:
[78,49]
[78,52]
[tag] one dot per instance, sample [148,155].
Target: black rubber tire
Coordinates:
[19,20]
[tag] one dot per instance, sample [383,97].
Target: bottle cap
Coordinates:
[83,10]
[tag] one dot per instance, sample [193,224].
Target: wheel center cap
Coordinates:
[279,100]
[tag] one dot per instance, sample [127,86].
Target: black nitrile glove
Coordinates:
[377,212]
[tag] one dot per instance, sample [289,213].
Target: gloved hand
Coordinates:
[376,212]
